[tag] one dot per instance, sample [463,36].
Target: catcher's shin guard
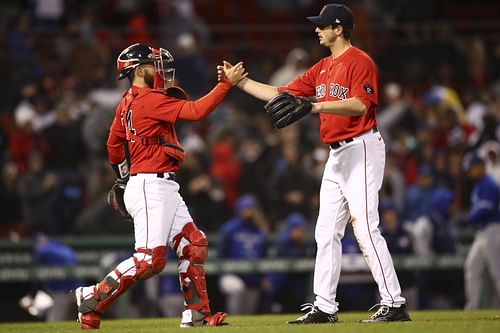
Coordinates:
[191,268]
[102,295]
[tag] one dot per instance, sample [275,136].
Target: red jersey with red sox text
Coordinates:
[352,74]
[150,113]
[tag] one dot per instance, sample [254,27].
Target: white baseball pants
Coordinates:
[349,191]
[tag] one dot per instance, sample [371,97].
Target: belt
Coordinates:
[338,144]
[166,175]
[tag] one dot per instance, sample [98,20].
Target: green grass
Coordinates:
[422,322]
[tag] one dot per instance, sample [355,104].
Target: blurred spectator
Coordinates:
[244,237]
[484,215]
[98,217]
[51,253]
[296,63]
[399,243]
[291,186]
[433,232]
[396,112]
[10,202]
[65,141]
[393,186]
[225,166]
[37,189]
[179,16]
[24,140]
[287,291]
[170,299]
[418,196]
[434,235]
[397,238]
[138,31]
[191,68]
[47,13]
[206,202]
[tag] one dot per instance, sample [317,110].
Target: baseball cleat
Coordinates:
[88,320]
[386,313]
[314,316]
[193,318]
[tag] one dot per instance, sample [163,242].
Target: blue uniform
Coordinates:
[54,253]
[485,203]
[241,240]
[483,255]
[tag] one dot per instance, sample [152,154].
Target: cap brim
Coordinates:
[318,20]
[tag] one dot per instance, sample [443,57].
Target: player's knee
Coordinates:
[158,260]
[197,251]
[154,263]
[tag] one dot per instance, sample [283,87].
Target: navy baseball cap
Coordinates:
[470,160]
[334,14]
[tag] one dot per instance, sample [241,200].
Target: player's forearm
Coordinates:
[347,107]
[196,110]
[258,90]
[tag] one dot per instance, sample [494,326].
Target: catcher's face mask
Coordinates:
[164,72]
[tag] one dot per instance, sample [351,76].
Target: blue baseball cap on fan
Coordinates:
[334,14]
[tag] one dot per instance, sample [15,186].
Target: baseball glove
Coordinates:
[285,109]
[115,199]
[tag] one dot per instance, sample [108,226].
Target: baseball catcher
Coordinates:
[285,109]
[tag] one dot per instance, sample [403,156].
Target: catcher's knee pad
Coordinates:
[153,264]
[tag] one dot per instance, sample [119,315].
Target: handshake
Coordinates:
[283,108]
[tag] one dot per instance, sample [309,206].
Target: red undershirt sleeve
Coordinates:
[198,109]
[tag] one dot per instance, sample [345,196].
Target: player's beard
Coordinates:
[149,79]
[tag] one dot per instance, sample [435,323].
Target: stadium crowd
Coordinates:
[439,101]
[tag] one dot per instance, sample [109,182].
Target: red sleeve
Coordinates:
[304,85]
[116,139]
[364,82]
[195,110]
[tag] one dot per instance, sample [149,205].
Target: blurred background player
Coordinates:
[483,258]
[52,298]
[145,153]
[244,237]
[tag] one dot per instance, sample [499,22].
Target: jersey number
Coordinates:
[130,127]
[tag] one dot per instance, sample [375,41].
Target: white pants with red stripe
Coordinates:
[349,191]
[158,210]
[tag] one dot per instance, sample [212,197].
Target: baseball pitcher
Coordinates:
[345,96]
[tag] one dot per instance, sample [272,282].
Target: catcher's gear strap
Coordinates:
[191,267]
[217,319]
[176,92]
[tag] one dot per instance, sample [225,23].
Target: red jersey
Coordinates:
[352,74]
[143,116]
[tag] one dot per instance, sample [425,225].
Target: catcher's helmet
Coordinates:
[138,54]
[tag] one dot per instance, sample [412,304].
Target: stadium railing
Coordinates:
[98,254]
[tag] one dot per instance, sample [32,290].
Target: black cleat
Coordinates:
[314,316]
[386,313]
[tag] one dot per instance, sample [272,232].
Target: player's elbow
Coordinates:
[359,108]
[362,109]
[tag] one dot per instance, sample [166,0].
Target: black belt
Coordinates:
[168,175]
[338,144]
